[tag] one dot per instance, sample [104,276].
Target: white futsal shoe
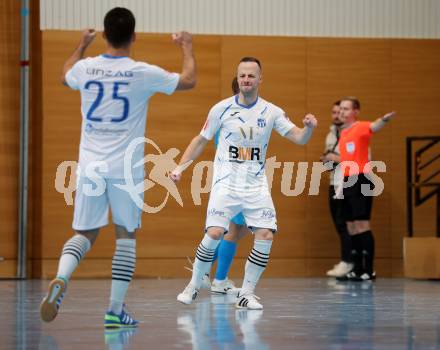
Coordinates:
[51,302]
[206,281]
[225,286]
[188,295]
[248,301]
[340,269]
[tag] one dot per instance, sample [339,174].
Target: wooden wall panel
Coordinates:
[415,92]
[9,133]
[61,127]
[34,243]
[300,75]
[338,68]
[172,122]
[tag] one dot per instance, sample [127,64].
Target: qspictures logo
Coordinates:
[163,163]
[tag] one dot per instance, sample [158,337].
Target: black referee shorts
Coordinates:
[356,205]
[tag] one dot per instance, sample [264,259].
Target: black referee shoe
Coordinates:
[364,277]
[348,277]
[352,276]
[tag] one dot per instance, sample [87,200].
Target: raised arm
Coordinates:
[188,75]
[302,136]
[381,122]
[192,152]
[87,37]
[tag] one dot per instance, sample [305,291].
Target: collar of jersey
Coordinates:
[357,121]
[106,55]
[246,106]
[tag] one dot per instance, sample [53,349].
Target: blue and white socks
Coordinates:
[203,261]
[73,252]
[255,265]
[123,266]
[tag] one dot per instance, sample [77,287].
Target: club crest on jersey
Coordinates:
[261,122]
[244,153]
[350,147]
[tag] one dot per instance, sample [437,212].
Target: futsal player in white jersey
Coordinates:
[245,123]
[115,91]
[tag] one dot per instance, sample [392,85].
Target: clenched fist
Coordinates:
[310,121]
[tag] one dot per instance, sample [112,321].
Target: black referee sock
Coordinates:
[356,254]
[367,240]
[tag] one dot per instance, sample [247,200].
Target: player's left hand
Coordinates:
[327,157]
[310,121]
[175,175]
[387,117]
[182,38]
[87,37]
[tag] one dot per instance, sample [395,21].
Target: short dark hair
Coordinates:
[234,86]
[354,102]
[251,59]
[119,25]
[337,103]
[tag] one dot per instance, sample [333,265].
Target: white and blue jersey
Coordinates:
[239,182]
[115,92]
[243,138]
[239,218]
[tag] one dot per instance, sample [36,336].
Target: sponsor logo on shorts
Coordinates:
[267,214]
[215,212]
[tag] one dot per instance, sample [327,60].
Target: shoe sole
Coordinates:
[247,308]
[184,302]
[219,291]
[229,291]
[119,326]
[234,292]
[48,307]
[336,274]
[238,306]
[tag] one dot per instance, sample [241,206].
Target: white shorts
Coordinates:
[257,208]
[92,209]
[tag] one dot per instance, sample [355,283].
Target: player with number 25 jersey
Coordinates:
[115,91]
[114,100]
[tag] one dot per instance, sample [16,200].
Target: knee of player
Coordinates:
[351,228]
[91,235]
[215,232]
[234,232]
[264,234]
[362,225]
